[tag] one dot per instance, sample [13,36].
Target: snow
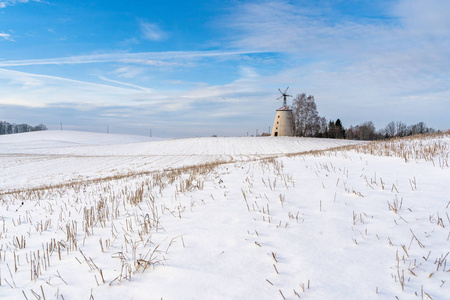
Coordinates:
[261,218]
[50,157]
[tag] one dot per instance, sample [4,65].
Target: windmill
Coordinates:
[284,119]
[284,95]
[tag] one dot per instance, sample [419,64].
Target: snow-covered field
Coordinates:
[105,216]
[53,157]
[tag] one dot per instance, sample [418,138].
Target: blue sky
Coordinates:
[198,68]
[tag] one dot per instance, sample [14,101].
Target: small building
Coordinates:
[284,119]
[284,122]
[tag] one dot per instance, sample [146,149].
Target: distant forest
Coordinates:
[8,128]
[309,123]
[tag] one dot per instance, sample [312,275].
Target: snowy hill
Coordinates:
[224,218]
[69,138]
[52,157]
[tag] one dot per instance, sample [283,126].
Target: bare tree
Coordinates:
[39,127]
[323,127]
[306,118]
[390,129]
[352,133]
[7,128]
[402,129]
[298,107]
[366,131]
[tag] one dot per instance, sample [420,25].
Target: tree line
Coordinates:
[8,128]
[308,123]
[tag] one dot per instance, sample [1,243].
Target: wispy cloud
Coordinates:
[125,84]
[424,17]
[25,80]
[129,71]
[145,58]
[397,62]
[31,90]
[6,36]
[44,90]
[152,32]
[4,3]
[284,27]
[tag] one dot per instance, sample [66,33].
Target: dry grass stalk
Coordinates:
[274,257]
[275,267]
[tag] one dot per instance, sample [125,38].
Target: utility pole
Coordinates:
[61,125]
[107,129]
[256,132]
[150,133]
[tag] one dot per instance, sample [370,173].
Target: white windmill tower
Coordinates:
[284,119]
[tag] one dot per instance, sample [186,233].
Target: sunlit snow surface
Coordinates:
[50,157]
[349,225]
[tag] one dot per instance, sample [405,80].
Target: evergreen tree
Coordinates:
[331,130]
[339,130]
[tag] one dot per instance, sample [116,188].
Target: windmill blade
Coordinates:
[283,94]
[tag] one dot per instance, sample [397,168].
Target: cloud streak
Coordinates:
[5,3]
[34,90]
[144,58]
[144,89]
[152,32]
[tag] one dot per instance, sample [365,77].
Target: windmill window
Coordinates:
[277,122]
[278,116]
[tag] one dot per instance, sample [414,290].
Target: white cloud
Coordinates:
[144,58]
[21,101]
[152,32]
[6,36]
[125,84]
[33,90]
[47,90]
[429,17]
[129,71]
[284,27]
[4,3]
[244,86]
[371,64]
